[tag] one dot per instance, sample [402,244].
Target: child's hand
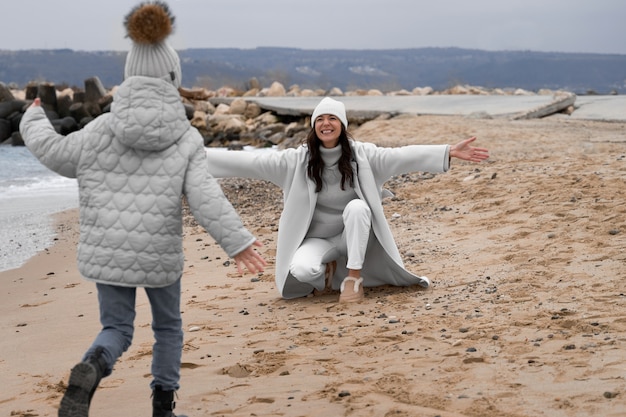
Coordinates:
[251,259]
[36,102]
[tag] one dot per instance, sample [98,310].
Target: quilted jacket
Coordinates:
[133,166]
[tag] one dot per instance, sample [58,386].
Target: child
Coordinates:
[133,165]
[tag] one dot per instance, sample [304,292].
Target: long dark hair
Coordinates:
[316,164]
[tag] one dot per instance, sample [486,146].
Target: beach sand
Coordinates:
[526,315]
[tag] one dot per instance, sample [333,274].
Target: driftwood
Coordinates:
[561,102]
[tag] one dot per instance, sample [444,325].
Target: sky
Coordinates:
[590,26]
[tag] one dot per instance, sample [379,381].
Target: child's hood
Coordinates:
[148,114]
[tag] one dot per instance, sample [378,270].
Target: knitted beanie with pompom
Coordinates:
[148,25]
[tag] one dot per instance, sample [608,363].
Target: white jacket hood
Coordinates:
[148,114]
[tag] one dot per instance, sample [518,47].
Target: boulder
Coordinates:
[199,120]
[94,90]
[16,139]
[253,110]
[276,90]
[9,107]
[5,93]
[48,95]
[5,130]
[335,91]
[238,106]
[253,92]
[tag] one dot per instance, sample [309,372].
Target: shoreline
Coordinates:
[28,226]
[525,316]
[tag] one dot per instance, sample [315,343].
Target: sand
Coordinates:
[526,315]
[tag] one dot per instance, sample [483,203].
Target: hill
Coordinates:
[386,70]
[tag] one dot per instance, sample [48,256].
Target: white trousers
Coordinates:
[309,261]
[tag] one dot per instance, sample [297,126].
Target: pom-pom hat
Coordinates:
[330,106]
[148,25]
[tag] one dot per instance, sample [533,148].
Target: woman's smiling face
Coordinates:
[328,129]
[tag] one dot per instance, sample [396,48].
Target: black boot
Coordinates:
[163,403]
[84,380]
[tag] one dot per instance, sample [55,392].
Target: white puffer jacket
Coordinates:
[133,166]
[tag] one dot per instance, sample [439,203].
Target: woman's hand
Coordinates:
[251,259]
[464,151]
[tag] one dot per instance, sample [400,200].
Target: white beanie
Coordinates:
[148,25]
[330,106]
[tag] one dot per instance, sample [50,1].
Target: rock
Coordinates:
[253,110]
[294,91]
[222,109]
[308,93]
[253,92]
[335,91]
[16,139]
[5,93]
[204,106]
[199,120]
[195,93]
[94,90]
[229,124]
[5,130]
[65,126]
[422,91]
[31,91]
[226,92]
[48,95]
[522,92]
[238,106]
[266,118]
[253,83]
[64,102]
[276,90]
[9,107]
[400,93]
[78,111]
[79,97]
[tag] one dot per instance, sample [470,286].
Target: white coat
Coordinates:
[373,165]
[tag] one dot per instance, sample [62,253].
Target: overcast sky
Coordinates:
[596,26]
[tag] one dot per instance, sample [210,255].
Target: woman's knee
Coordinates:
[305,272]
[357,207]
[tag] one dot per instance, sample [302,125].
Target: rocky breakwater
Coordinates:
[225,117]
[68,109]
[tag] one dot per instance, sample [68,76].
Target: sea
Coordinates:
[29,195]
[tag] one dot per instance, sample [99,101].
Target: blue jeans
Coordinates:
[117,316]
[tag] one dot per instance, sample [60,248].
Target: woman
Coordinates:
[332,232]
